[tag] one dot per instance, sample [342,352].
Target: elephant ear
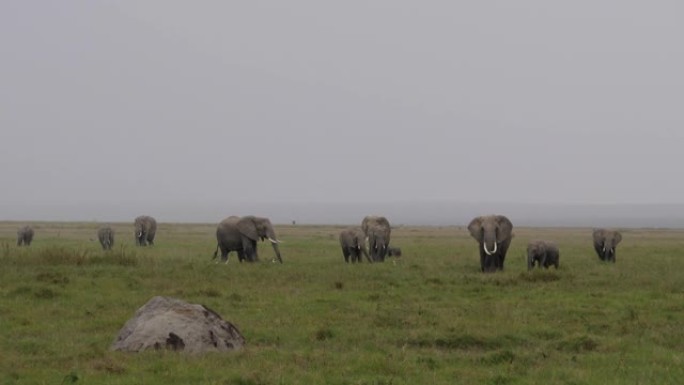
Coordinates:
[475,228]
[247,227]
[599,234]
[505,228]
[618,238]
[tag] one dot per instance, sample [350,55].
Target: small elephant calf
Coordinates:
[543,253]
[353,243]
[394,251]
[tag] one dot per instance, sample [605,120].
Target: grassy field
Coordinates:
[429,317]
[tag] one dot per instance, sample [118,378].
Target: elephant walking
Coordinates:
[377,230]
[145,230]
[543,254]
[25,236]
[240,234]
[494,234]
[353,243]
[106,237]
[605,242]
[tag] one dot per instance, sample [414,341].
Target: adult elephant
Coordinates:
[25,236]
[105,235]
[543,254]
[145,230]
[494,234]
[605,242]
[240,234]
[377,230]
[353,243]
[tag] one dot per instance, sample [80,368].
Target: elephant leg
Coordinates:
[248,249]
[241,255]
[346,254]
[599,251]
[543,261]
[255,256]
[503,249]
[483,259]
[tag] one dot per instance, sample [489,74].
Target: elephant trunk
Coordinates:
[365,253]
[274,243]
[487,251]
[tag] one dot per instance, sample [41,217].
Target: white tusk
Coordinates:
[273,240]
[485,248]
[487,251]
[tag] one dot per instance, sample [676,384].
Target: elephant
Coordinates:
[394,251]
[377,230]
[605,242]
[494,234]
[240,234]
[145,229]
[543,253]
[353,243]
[106,236]
[25,235]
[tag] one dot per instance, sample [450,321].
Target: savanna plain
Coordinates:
[428,317]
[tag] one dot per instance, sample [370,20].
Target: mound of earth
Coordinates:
[169,323]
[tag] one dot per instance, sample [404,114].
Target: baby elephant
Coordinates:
[24,236]
[543,253]
[394,251]
[353,243]
[106,236]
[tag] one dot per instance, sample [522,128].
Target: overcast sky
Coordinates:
[221,103]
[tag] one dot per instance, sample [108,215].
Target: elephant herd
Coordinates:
[145,230]
[493,233]
[374,229]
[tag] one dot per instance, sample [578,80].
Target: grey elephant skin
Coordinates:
[542,254]
[493,234]
[394,251]
[25,236]
[353,243]
[240,234]
[377,230]
[145,230]
[605,243]
[105,235]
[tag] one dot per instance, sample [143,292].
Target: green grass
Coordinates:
[429,317]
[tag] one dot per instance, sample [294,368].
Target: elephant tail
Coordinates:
[216,252]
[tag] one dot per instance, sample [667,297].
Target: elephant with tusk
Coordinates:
[494,234]
[240,234]
[605,242]
[377,230]
[145,230]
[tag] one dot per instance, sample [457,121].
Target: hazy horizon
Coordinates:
[399,213]
[198,110]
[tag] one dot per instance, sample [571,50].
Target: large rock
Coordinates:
[169,323]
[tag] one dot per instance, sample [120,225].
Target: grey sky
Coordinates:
[222,103]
